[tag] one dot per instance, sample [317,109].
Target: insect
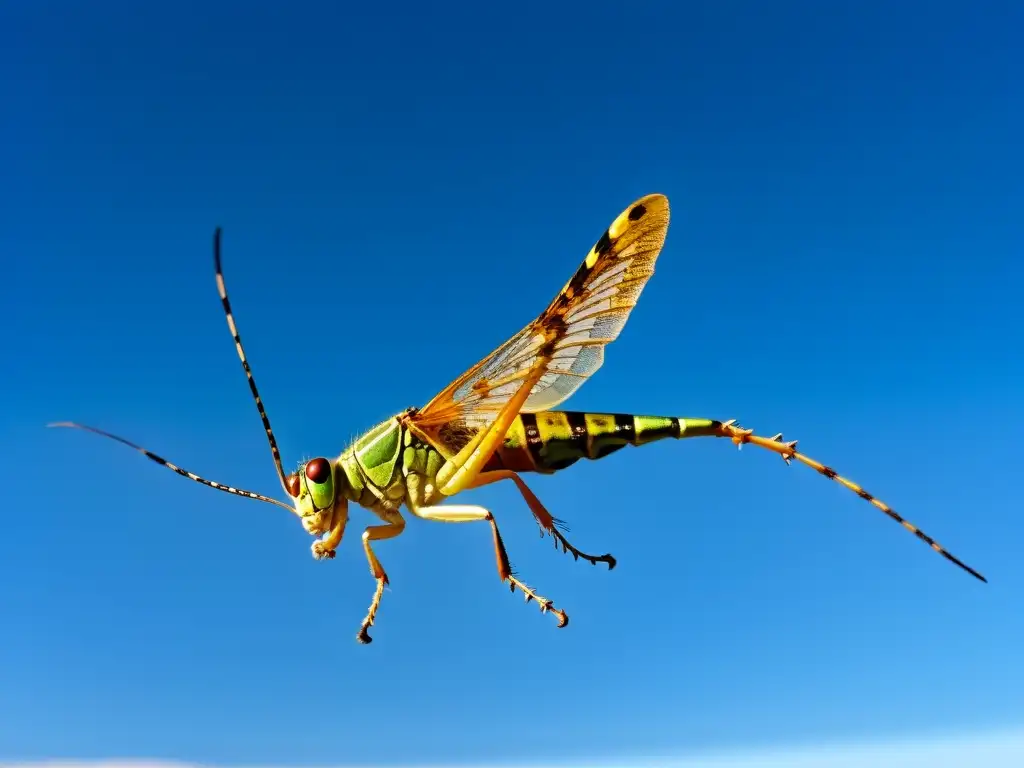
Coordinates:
[496,422]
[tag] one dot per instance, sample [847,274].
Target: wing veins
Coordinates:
[560,349]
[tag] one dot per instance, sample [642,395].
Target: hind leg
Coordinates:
[463,513]
[546,520]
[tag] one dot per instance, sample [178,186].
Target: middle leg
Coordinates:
[545,519]
[464,513]
[376,533]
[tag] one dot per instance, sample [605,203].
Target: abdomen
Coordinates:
[552,440]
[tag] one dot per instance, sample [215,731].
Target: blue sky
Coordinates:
[414,185]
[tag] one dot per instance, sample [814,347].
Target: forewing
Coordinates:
[565,344]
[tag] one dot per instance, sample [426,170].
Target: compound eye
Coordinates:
[318,471]
[294,485]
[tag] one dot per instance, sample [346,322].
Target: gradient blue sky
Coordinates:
[413,184]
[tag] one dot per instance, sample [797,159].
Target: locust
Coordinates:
[496,422]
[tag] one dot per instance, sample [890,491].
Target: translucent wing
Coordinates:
[565,344]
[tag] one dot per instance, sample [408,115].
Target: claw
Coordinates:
[545,604]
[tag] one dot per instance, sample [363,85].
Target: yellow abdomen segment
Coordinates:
[552,440]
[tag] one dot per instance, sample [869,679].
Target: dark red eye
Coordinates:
[318,471]
[294,486]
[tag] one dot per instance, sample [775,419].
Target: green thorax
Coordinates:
[377,462]
[371,462]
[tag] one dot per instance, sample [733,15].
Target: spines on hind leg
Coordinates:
[788,452]
[548,441]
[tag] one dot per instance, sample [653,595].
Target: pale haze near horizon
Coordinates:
[991,749]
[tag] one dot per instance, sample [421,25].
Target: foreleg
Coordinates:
[325,548]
